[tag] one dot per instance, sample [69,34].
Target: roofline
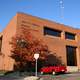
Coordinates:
[48,20]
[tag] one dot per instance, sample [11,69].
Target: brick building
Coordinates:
[61,39]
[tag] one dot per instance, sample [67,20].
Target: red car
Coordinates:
[53,69]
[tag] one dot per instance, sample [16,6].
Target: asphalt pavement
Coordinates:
[70,76]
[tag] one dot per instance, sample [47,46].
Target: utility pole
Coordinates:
[61,3]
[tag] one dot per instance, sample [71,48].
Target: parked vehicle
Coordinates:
[53,69]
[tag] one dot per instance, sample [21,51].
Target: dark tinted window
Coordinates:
[71,56]
[52,32]
[0,43]
[69,36]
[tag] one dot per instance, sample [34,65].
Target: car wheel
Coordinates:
[53,72]
[41,72]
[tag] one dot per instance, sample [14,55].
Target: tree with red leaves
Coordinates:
[25,45]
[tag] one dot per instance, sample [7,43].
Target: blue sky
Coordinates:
[47,9]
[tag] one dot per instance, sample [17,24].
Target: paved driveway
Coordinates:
[73,76]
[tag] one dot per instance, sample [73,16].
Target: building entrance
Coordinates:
[71,56]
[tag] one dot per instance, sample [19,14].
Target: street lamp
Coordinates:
[36,56]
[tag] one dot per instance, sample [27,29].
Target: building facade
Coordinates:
[61,39]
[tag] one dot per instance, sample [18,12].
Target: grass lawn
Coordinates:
[2,73]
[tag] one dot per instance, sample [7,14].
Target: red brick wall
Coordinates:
[56,44]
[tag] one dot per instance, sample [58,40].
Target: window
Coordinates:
[52,32]
[69,36]
[71,56]
[0,43]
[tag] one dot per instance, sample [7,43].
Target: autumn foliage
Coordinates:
[25,45]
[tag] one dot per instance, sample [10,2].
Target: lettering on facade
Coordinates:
[27,22]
